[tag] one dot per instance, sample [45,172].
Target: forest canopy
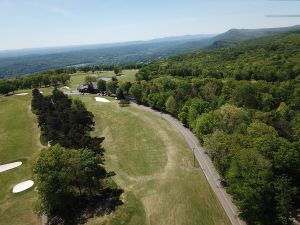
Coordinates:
[243,104]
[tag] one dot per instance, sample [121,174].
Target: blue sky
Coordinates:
[42,23]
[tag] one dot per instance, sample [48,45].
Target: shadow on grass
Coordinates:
[82,208]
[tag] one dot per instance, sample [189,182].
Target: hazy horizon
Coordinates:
[47,24]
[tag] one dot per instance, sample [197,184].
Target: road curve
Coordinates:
[206,165]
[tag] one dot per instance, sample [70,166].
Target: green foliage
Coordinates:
[120,94]
[111,87]
[45,79]
[171,106]
[117,70]
[249,181]
[136,92]
[101,84]
[270,59]
[66,176]
[69,174]
[243,104]
[64,121]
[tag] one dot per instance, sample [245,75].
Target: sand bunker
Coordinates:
[9,166]
[66,87]
[21,94]
[23,186]
[98,99]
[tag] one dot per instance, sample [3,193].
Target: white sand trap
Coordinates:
[23,186]
[98,99]
[66,87]
[21,94]
[9,166]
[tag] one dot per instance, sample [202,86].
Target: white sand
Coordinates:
[98,99]
[21,94]
[9,166]
[66,87]
[23,186]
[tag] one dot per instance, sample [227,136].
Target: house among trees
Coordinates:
[89,87]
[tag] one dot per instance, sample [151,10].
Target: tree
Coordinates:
[117,70]
[245,95]
[62,175]
[284,197]
[232,117]
[222,148]
[136,91]
[171,106]
[37,101]
[7,87]
[206,124]
[120,94]
[249,180]
[111,87]
[101,84]
[125,86]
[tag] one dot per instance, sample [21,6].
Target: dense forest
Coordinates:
[243,103]
[44,79]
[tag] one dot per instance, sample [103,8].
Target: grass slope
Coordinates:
[152,161]
[155,168]
[19,140]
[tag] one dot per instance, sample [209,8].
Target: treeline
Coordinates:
[249,128]
[70,174]
[45,79]
[270,59]
[94,68]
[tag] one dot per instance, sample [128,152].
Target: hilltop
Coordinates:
[23,62]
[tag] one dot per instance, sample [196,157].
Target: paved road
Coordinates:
[206,165]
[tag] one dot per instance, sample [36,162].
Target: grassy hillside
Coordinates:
[155,167]
[153,164]
[19,140]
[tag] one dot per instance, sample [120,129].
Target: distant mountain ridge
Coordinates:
[64,49]
[236,36]
[27,61]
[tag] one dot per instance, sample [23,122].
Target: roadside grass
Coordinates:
[154,166]
[19,141]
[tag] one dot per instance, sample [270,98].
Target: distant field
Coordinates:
[155,168]
[129,75]
[19,140]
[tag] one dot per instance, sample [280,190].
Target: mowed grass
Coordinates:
[153,163]
[154,166]
[19,141]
